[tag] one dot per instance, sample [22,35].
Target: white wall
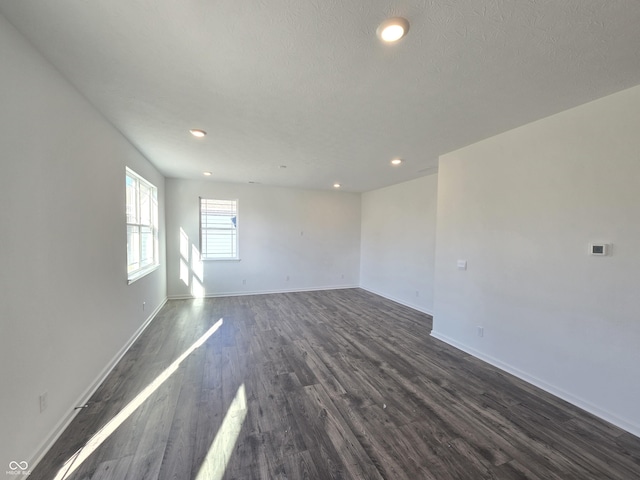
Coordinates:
[521,208]
[65,307]
[311,236]
[398,242]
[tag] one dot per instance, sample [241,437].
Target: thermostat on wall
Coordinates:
[599,249]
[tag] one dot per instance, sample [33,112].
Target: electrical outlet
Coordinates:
[481,331]
[287,278]
[244,282]
[417,293]
[44,401]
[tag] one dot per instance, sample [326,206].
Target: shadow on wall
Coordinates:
[191,267]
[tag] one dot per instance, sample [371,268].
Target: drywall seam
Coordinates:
[623,423]
[84,397]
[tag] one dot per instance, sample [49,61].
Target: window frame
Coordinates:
[152,215]
[203,254]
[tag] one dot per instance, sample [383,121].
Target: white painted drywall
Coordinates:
[311,236]
[65,307]
[398,242]
[521,208]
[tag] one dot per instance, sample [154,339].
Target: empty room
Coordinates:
[319,240]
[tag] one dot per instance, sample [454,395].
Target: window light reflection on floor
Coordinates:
[101,435]
[215,463]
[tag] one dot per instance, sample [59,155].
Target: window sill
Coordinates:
[221,259]
[142,273]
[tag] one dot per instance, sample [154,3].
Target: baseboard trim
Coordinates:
[61,426]
[263,292]
[625,424]
[397,300]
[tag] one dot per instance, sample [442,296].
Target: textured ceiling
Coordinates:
[306,83]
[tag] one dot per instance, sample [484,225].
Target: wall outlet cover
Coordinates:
[599,249]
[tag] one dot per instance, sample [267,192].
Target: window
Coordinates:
[218,229]
[142,226]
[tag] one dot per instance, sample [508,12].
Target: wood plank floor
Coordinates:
[323,385]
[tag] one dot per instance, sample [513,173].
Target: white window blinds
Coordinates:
[218,229]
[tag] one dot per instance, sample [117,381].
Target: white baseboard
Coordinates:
[312,289]
[60,427]
[263,292]
[628,425]
[397,300]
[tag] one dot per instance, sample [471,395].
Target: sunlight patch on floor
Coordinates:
[101,435]
[215,463]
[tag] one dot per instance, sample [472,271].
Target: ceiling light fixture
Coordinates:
[197,133]
[336,185]
[396,161]
[207,174]
[393,29]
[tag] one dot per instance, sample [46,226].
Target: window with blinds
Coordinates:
[142,226]
[218,229]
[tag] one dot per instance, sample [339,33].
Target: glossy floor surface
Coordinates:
[338,384]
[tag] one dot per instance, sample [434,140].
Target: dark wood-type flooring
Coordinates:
[337,384]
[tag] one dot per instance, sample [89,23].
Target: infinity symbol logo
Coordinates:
[18,465]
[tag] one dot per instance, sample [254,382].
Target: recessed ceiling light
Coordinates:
[206,174]
[396,161]
[393,29]
[197,133]
[336,185]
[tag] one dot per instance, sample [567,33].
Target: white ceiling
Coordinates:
[307,84]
